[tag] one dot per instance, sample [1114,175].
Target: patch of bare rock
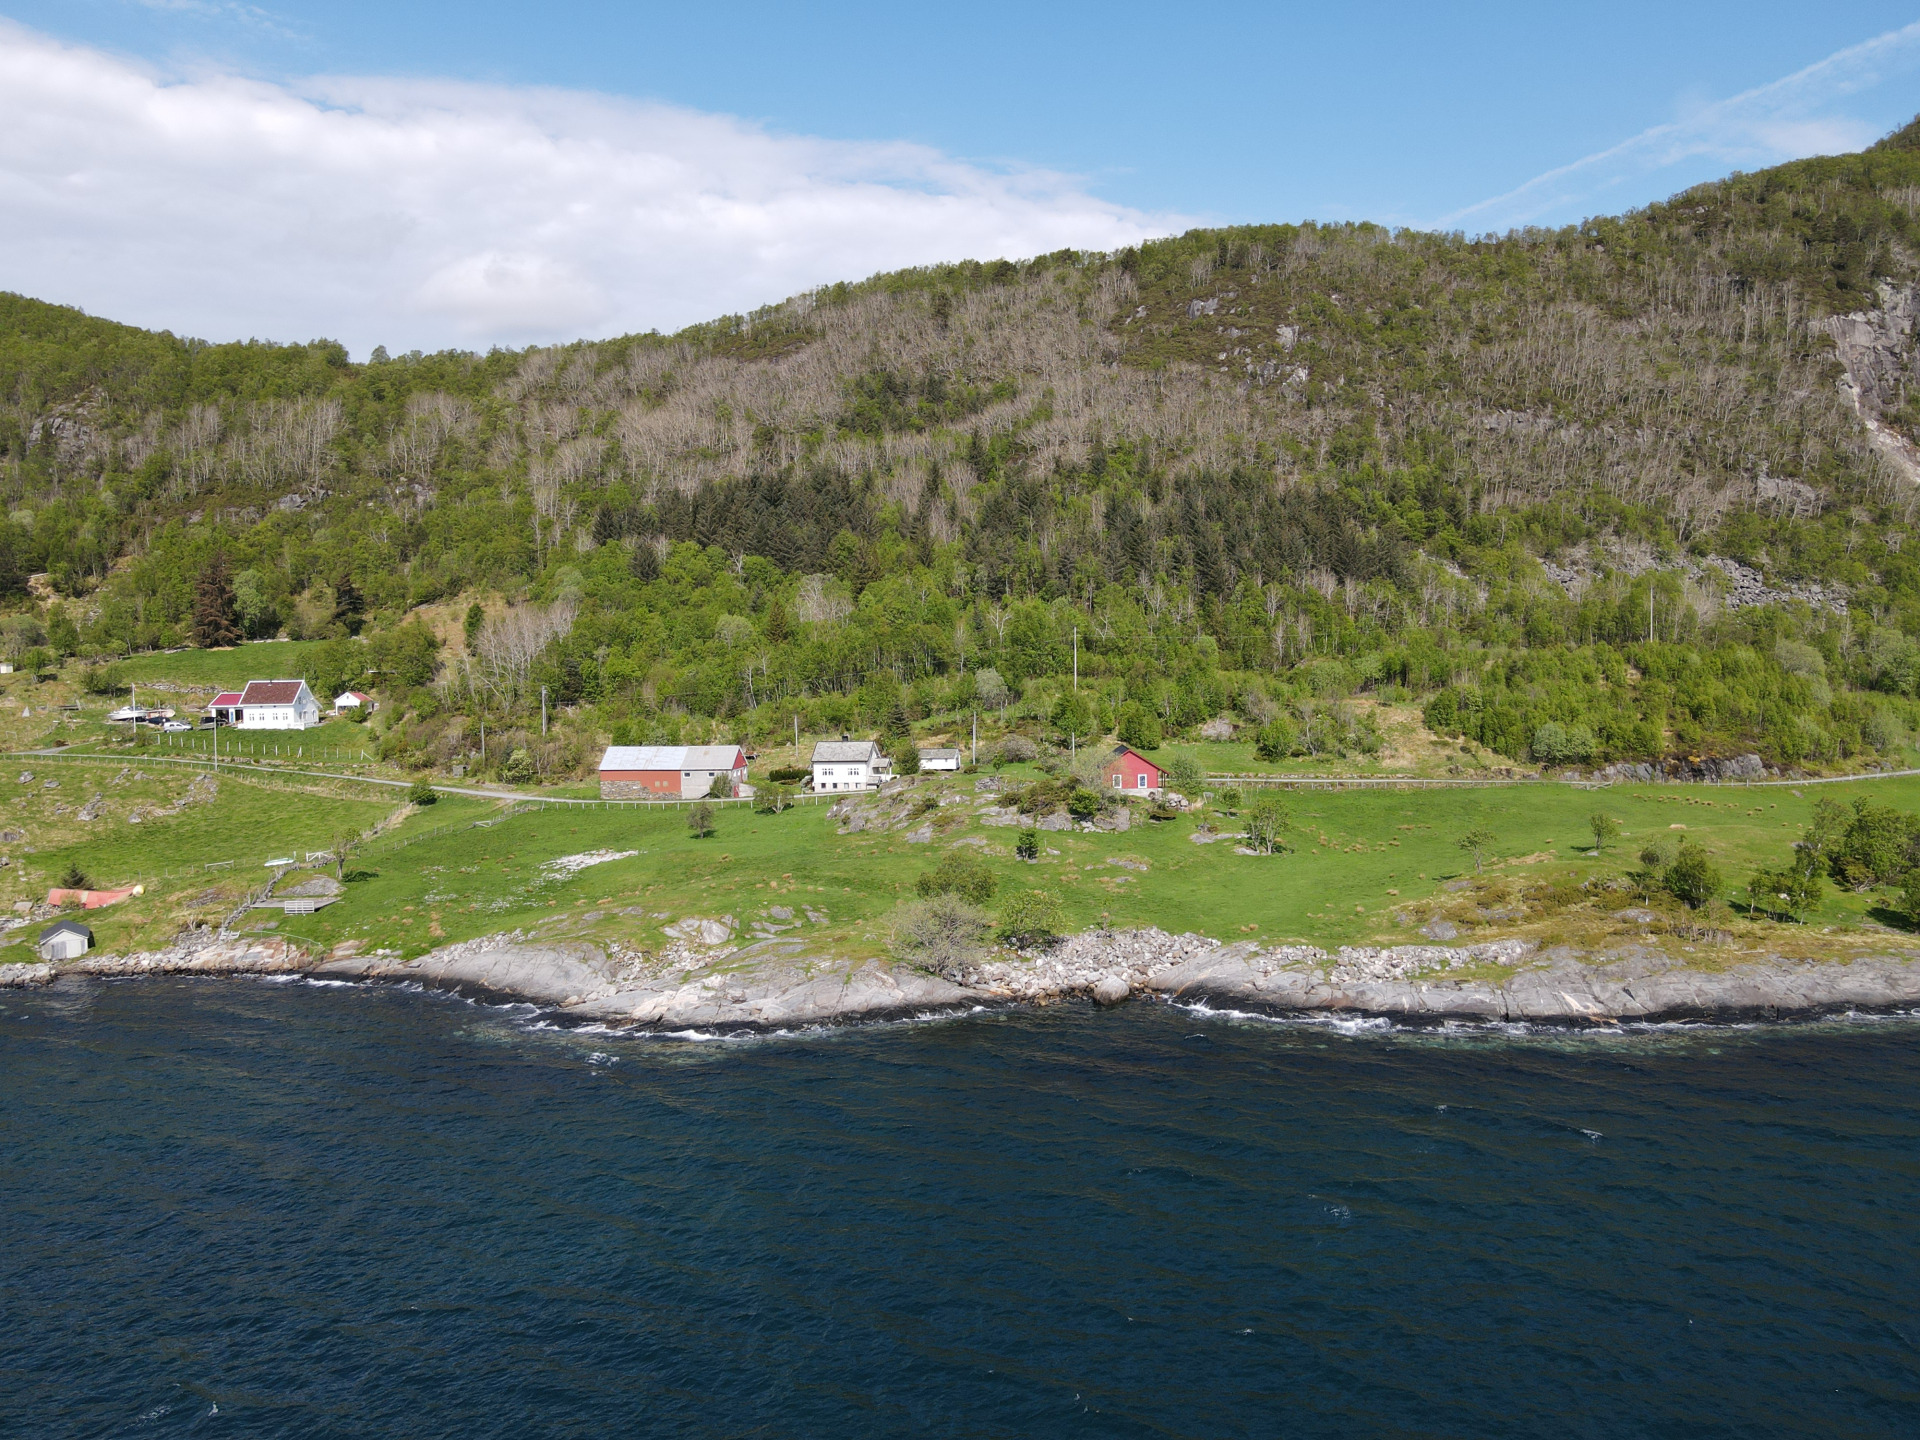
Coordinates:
[777,983]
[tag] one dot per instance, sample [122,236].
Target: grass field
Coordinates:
[233,824]
[226,669]
[1359,860]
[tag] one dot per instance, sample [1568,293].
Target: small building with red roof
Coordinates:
[1131,773]
[225,708]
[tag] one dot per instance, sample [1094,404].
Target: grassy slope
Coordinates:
[228,669]
[1354,852]
[252,819]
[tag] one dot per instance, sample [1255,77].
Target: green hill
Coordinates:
[1615,491]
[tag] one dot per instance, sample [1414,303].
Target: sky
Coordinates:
[430,175]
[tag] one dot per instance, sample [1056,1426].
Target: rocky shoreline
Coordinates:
[776,984]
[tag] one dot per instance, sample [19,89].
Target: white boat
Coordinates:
[129,712]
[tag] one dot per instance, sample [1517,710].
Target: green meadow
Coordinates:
[226,669]
[1357,860]
[1360,863]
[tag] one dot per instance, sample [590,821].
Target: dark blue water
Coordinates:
[236,1208]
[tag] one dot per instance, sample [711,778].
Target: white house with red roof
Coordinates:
[277,705]
[353,700]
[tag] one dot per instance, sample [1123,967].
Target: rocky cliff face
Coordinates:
[1878,348]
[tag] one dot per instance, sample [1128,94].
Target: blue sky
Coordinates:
[758,149]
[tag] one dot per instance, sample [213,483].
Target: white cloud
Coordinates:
[435,214]
[1798,115]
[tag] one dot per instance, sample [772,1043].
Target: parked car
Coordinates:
[174,726]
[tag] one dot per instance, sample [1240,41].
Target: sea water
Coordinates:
[256,1209]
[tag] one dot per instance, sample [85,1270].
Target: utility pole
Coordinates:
[1076,659]
[796,737]
[976,737]
[543,712]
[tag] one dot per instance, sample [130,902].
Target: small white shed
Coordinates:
[940,759]
[65,940]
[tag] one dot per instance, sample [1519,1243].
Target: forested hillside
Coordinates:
[1621,490]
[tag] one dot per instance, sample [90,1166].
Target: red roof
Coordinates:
[358,695]
[271,692]
[225,700]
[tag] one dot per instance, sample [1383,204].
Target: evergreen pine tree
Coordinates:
[216,619]
[348,606]
[778,630]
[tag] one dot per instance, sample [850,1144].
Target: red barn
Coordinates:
[1129,771]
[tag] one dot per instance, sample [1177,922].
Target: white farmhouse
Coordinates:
[940,759]
[353,700]
[850,765]
[277,705]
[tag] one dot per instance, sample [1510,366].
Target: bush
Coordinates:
[943,933]
[1032,917]
[790,774]
[102,679]
[1267,821]
[906,758]
[1015,750]
[1137,726]
[772,799]
[721,788]
[1185,772]
[1276,739]
[1692,877]
[1027,847]
[1084,804]
[1795,891]
[960,874]
[700,819]
[519,769]
[1229,799]
[421,792]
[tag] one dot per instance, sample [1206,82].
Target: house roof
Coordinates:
[1120,750]
[225,700]
[943,753]
[843,752]
[360,695]
[272,692]
[65,927]
[672,757]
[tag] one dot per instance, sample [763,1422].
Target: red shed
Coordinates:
[1130,771]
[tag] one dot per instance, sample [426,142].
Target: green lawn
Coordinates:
[1352,853]
[228,669]
[250,820]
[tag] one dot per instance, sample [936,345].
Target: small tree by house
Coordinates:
[906,757]
[1477,843]
[1138,726]
[771,799]
[1605,829]
[700,819]
[1027,847]
[74,878]
[721,788]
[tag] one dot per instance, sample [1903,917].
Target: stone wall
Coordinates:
[635,790]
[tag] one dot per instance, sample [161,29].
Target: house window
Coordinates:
[1140,782]
[1116,780]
